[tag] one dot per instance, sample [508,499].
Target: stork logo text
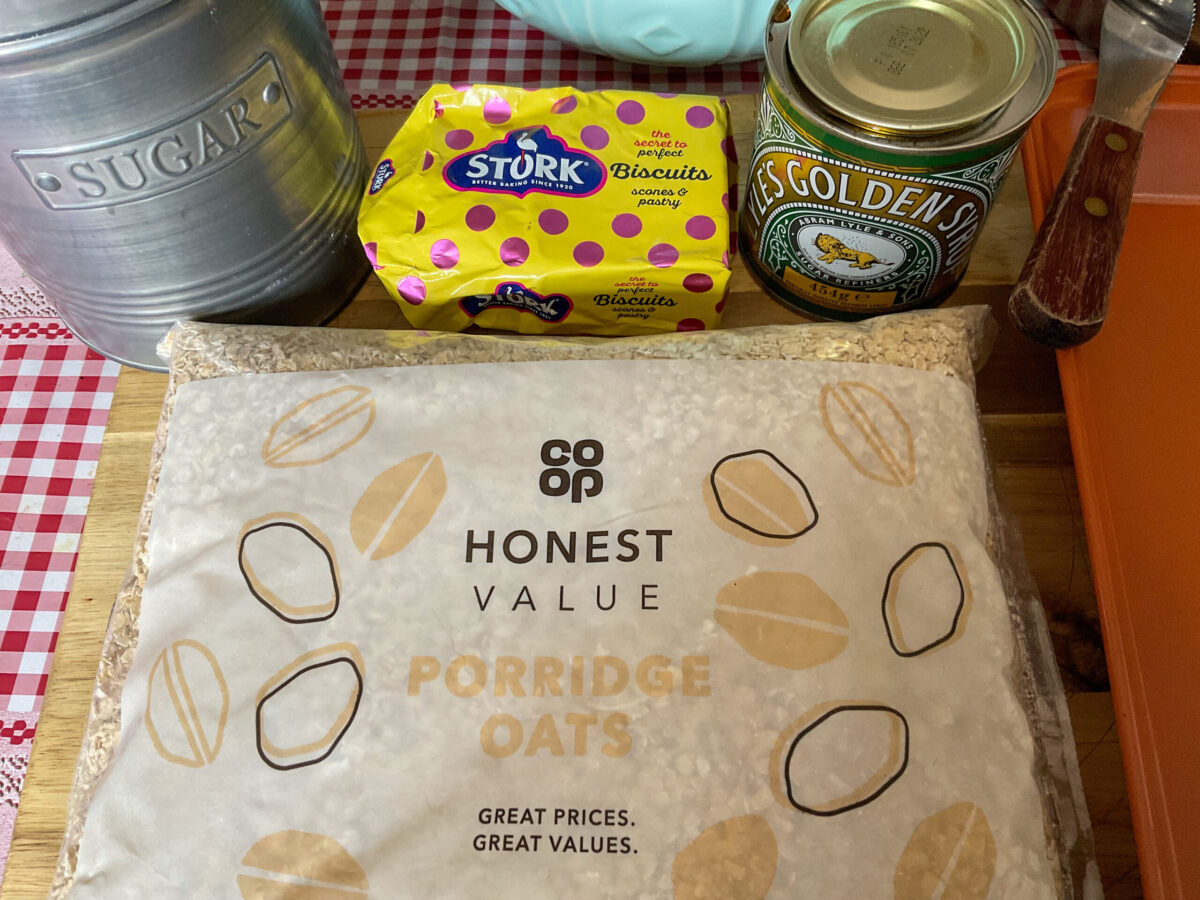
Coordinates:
[514,295]
[525,161]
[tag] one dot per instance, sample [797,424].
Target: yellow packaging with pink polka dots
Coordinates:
[555,210]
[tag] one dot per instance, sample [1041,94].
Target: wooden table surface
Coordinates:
[1027,436]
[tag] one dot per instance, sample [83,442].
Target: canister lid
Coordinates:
[25,18]
[912,66]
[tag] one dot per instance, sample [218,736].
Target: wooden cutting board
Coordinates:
[1026,432]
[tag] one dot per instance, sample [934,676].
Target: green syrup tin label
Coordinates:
[847,231]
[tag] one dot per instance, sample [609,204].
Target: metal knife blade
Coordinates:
[1140,41]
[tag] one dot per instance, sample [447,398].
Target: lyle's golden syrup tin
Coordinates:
[884,132]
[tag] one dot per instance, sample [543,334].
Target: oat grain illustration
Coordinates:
[397,505]
[838,756]
[731,860]
[754,494]
[289,565]
[950,854]
[333,674]
[926,600]
[187,701]
[301,865]
[783,618]
[320,428]
[870,432]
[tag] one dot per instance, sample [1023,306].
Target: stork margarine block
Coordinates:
[554,210]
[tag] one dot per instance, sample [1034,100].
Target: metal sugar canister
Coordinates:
[177,159]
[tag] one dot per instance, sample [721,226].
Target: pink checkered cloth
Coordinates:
[54,401]
[16,738]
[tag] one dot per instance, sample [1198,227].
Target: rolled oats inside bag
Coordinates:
[709,615]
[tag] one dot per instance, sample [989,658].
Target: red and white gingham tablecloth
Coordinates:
[391,50]
[54,401]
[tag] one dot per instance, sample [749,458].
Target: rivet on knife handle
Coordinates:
[1061,297]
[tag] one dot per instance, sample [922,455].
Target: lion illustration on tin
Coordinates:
[832,250]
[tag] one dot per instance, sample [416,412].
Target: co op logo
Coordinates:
[572,469]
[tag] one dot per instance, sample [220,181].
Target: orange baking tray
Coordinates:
[1132,396]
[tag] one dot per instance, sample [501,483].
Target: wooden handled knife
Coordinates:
[1061,297]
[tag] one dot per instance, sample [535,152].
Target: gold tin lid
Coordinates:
[912,66]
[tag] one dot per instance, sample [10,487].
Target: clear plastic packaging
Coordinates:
[950,342]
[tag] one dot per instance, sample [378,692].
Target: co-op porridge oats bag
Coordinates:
[554,210]
[709,615]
